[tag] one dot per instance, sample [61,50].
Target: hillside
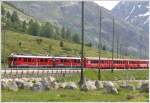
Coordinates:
[68,14]
[24,43]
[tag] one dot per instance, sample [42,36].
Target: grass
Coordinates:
[65,95]
[107,75]
[46,47]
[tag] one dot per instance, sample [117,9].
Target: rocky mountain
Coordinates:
[68,14]
[135,12]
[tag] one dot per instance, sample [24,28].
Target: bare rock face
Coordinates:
[110,88]
[12,86]
[144,87]
[88,85]
[71,85]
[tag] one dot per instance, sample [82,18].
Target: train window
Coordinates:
[41,60]
[63,60]
[75,61]
[45,60]
[94,61]
[15,59]
[25,59]
[115,62]
[118,62]
[29,59]
[101,61]
[78,61]
[33,60]
[18,59]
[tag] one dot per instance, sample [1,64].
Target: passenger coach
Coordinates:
[73,62]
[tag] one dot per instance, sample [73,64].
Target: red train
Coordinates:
[72,62]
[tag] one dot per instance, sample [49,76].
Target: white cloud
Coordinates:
[107,4]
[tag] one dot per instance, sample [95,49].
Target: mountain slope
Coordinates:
[23,16]
[135,12]
[68,14]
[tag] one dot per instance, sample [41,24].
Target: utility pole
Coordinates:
[112,70]
[145,52]
[121,50]
[82,43]
[118,37]
[140,53]
[3,46]
[100,43]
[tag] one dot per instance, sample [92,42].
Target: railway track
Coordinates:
[27,71]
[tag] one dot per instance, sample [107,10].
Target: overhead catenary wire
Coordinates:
[4,34]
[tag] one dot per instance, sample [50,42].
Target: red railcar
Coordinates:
[30,61]
[107,63]
[93,62]
[67,62]
[89,62]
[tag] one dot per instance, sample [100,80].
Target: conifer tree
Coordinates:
[33,28]
[14,17]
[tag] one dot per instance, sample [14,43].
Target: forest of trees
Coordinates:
[33,27]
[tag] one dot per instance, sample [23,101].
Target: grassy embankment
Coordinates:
[24,43]
[107,75]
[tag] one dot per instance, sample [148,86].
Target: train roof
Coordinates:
[33,56]
[96,58]
[68,57]
[92,58]
[30,56]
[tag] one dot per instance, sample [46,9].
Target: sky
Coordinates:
[107,4]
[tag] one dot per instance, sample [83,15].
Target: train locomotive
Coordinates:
[30,61]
